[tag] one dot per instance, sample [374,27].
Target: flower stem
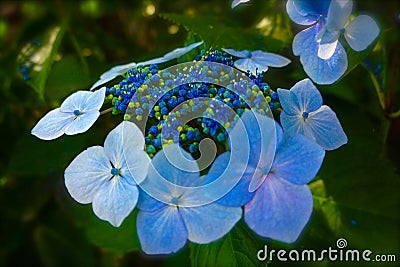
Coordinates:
[106,111]
[380,93]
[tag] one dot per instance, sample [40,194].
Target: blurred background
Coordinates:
[49,49]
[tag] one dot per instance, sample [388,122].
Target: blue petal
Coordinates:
[239,194]
[88,172]
[208,223]
[289,102]
[242,53]
[324,127]
[115,200]
[162,231]
[84,101]
[338,14]
[247,64]
[52,125]
[361,32]
[235,3]
[124,147]
[169,174]
[297,160]
[147,203]
[306,12]
[279,210]
[269,59]
[328,43]
[308,97]
[82,123]
[294,124]
[319,70]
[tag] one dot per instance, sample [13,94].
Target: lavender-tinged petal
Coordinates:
[338,14]
[308,96]
[82,123]
[269,59]
[241,54]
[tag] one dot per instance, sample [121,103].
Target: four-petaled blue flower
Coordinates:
[323,58]
[108,177]
[359,33]
[257,61]
[282,204]
[164,224]
[304,113]
[76,115]
[122,69]
[235,3]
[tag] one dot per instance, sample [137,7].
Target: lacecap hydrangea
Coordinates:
[153,159]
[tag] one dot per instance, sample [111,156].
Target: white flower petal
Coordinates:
[52,125]
[338,14]
[82,123]
[242,53]
[89,171]
[115,200]
[125,137]
[113,73]
[269,59]
[235,3]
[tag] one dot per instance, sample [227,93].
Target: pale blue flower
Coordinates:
[359,33]
[76,115]
[304,113]
[108,177]
[122,69]
[165,222]
[235,3]
[256,61]
[281,206]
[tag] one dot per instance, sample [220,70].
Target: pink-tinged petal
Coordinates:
[52,125]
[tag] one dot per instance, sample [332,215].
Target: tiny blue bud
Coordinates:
[305,115]
[77,112]
[115,171]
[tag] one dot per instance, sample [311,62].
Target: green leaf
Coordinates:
[102,234]
[32,156]
[38,56]
[218,34]
[66,77]
[238,248]
[56,250]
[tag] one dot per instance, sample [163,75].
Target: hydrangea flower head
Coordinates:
[76,115]
[304,113]
[108,176]
[165,225]
[122,69]
[257,61]
[282,204]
